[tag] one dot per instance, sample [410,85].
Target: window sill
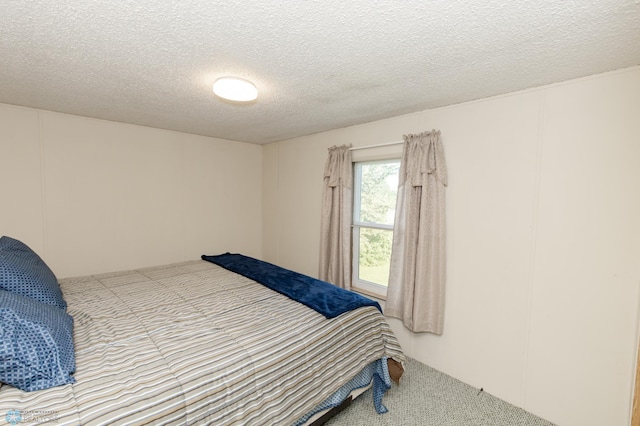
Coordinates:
[378,296]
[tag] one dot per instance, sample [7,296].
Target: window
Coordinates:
[374,207]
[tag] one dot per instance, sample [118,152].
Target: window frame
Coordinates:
[357,284]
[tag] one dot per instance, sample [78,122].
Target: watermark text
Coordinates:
[14,417]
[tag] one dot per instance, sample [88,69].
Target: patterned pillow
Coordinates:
[23,272]
[36,344]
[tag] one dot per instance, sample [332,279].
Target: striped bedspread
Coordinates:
[193,343]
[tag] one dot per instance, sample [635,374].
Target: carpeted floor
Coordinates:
[428,397]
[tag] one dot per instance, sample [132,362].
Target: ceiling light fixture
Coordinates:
[235,89]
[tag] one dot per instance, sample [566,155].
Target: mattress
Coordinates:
[193,343]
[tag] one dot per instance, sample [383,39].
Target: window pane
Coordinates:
[378,191]
[375,255]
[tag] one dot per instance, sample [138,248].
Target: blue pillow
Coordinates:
[36,344]
[23,272]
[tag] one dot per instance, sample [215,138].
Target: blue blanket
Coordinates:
[325,298]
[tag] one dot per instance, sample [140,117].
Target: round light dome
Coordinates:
[235,89]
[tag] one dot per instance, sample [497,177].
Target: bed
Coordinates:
[196,343]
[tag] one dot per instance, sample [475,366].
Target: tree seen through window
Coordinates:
[376,192]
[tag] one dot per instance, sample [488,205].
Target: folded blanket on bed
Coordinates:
[321,296]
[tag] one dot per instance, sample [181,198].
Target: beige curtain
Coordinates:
[417,278]
[335,223]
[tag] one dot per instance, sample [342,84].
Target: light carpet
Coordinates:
[428,397]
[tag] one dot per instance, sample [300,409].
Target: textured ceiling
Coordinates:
[318,65]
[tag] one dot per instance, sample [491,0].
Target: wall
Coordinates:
[94,196]
[543,209]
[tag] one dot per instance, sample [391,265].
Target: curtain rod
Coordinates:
[376,146]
